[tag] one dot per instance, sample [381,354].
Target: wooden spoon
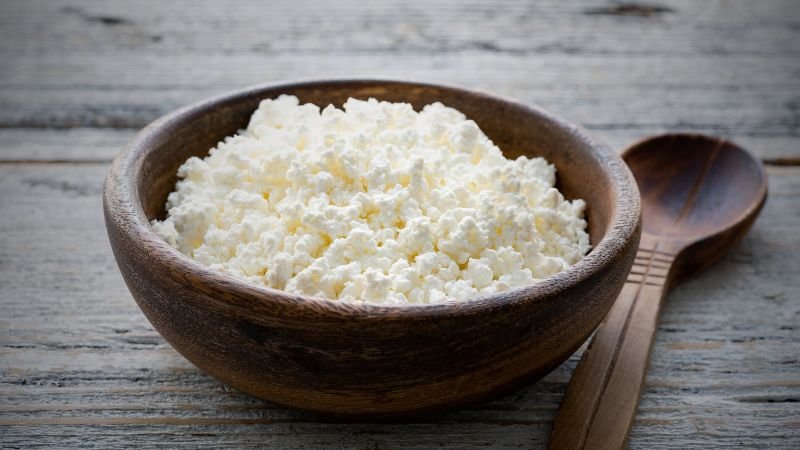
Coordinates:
[700,195]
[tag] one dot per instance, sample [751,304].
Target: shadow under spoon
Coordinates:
[700,195]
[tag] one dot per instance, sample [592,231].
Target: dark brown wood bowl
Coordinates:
[367,361]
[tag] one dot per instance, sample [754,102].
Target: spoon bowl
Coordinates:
[700,195]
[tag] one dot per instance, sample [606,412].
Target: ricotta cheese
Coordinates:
[373,202]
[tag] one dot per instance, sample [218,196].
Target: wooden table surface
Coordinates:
[79,363]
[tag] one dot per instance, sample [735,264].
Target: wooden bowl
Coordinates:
[370,361]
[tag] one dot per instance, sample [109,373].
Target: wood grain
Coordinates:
[417,26]
[724,369]
[591,85]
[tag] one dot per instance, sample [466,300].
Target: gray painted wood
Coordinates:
[79,364]
[644,93]
[74,145]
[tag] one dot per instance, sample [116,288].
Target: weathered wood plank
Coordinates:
[79,363]
[729,95]
[675,27]
[73,145]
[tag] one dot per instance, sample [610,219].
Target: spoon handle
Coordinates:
[599,406]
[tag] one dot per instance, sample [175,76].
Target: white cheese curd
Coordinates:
[373,202]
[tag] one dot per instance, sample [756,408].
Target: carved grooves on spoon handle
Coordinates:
[601,399]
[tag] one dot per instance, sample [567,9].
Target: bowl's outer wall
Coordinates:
[369,362]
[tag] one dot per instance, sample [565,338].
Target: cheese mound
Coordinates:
[375,202]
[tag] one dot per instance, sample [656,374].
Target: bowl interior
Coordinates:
[516,129]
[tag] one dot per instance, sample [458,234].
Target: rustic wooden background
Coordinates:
[79,364]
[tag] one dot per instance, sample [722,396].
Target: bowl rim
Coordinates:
[124,212]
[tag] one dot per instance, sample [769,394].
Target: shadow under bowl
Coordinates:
[359,360]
